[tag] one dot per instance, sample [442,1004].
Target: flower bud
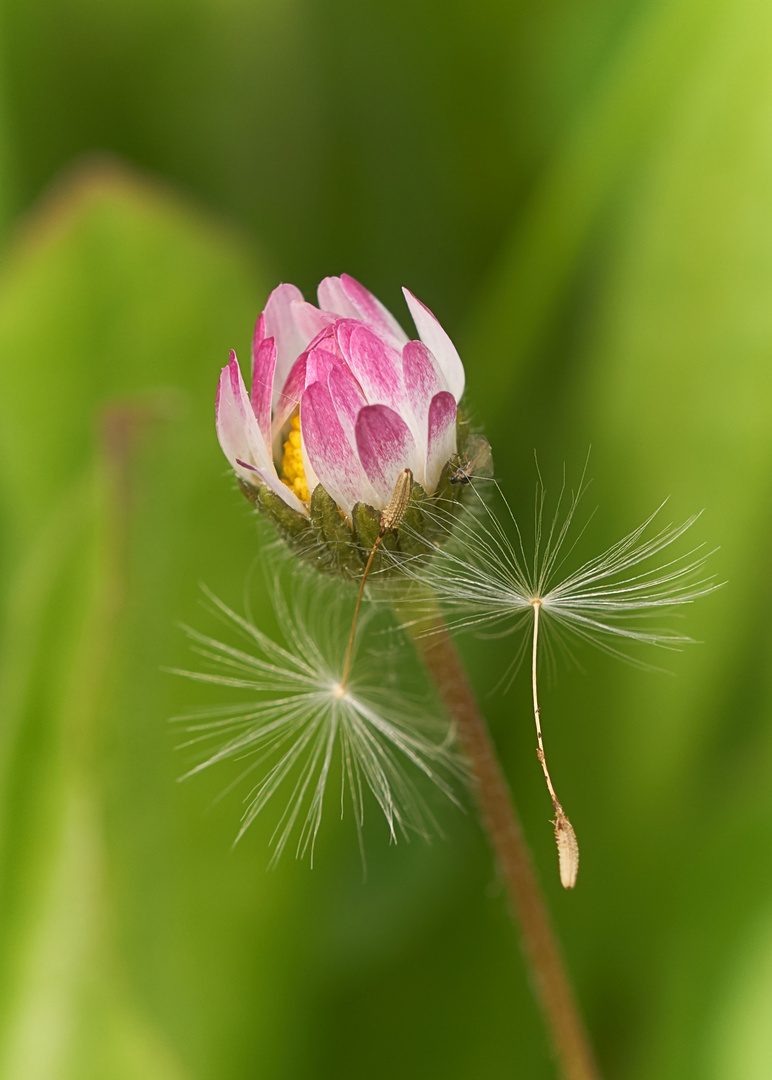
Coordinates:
[342,403]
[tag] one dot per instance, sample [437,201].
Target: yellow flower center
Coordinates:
[292,472]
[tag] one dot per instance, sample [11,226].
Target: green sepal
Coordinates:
[419,530]
[336,549]
[294,527]
[292,523]
[250,492]
[367,525]
[367,528]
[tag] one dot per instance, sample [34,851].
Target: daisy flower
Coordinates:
[356,400]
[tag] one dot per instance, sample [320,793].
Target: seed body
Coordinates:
[568,850]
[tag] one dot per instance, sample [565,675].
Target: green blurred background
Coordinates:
[582,192]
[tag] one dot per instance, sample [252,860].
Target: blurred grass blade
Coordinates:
[117,303]
[612,129]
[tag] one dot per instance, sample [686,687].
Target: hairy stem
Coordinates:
[540,947]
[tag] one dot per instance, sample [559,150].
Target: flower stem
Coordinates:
[540,947]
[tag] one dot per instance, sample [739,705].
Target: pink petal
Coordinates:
[319,365]
[386,447]
[289,395]
[332,298]
[441,436]
[347,398]
[442,348]
[240,437]
[279,323]
[377,368]
[263,367]
[329,451]
[310,473]
[237,430]
[309,320]
[422,378]
[372,311]
[344,328]
[273,482]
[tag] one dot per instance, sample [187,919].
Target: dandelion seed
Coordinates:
[492,583]
[307,718]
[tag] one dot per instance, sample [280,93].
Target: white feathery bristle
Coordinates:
[483,579]
[300,723]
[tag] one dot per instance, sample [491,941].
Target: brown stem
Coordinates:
[539,944]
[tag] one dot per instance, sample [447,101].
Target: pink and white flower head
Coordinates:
[340,397]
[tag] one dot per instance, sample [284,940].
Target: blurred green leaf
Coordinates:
[116,301]
[604,143]
[739,1046]
[395,141]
